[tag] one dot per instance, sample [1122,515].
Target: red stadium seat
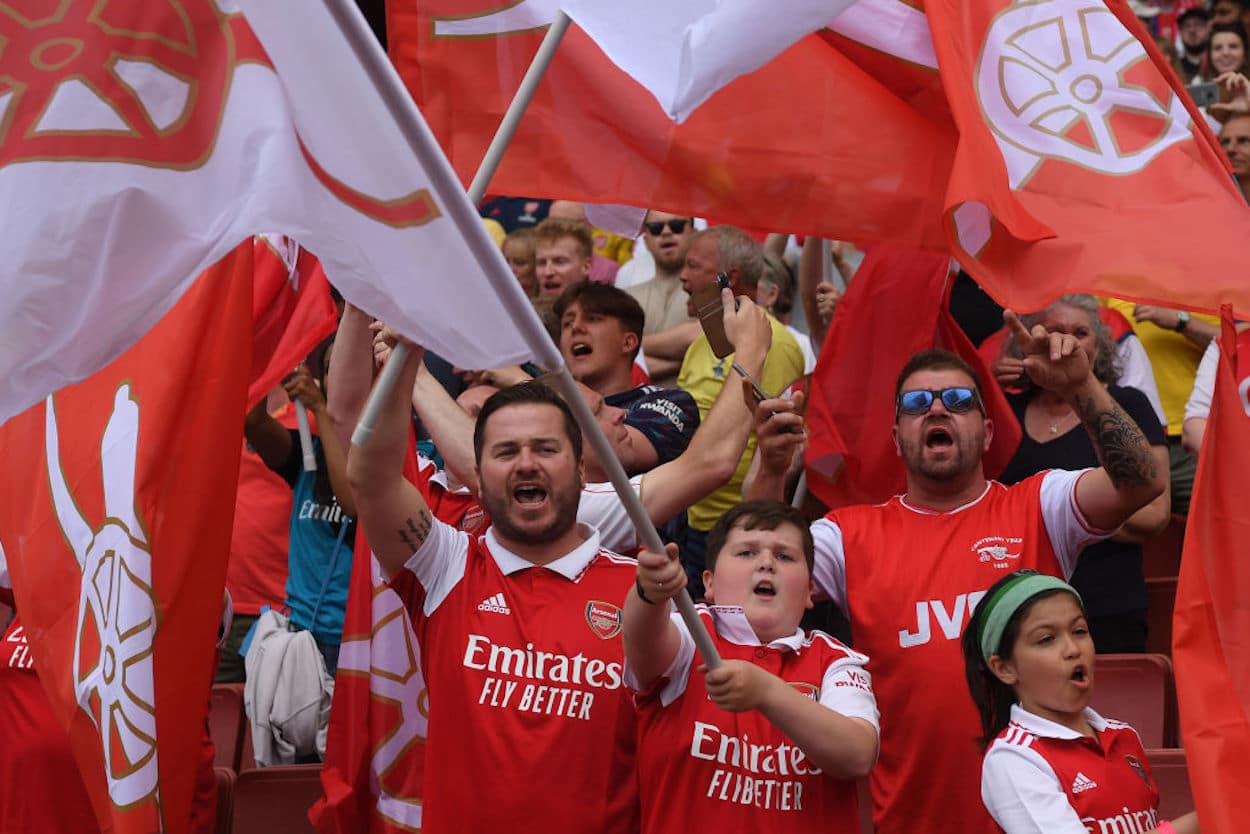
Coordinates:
[1168,767]
[225,723]
[1161,556]
[275,800]
[1162,594]
[225,798]
[1138,690]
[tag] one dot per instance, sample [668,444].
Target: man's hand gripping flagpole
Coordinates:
[464,214]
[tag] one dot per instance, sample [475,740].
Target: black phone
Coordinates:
[710,310]
[1204,95]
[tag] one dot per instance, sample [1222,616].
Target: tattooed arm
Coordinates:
[1130,476]
[392,512]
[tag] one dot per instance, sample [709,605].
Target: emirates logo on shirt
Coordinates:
[604,618]
[1000,551]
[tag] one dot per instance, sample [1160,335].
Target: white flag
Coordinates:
[152,139]
[683,51]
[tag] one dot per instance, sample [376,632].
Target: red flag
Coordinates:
[375,747]
[1083,165]
[115,520]
[850,456]
[1212,614]
[292,311]
[810,143]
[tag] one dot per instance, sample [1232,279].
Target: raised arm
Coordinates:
[450,427]
[351,372]
[817,312]
[780,437]
[267,436]
[1129,478]
[391,511]
[302,389]
[713,454]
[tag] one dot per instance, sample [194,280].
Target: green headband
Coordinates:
[1007,600]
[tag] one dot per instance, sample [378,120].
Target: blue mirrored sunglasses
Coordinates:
[956,400]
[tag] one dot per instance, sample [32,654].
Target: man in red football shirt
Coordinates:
[909,572]
[520,627]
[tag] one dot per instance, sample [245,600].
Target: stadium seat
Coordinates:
[1168,767]
[225,723]
[275,800]
[225,798]
[1138,689]
[1162,594]
[1161,556]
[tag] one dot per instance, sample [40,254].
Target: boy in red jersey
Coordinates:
[772,738]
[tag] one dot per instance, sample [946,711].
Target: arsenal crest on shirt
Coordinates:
[604,618]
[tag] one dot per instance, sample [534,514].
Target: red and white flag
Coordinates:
[115,520]
[1046,144]
[140,142]
[1212,614]
[292,311]
[850,456]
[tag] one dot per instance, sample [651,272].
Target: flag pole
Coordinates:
[477,188]
[463,214]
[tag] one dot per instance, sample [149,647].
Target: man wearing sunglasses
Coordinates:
[669,329]
[908,573]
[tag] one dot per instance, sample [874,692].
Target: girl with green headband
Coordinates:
[1052,765]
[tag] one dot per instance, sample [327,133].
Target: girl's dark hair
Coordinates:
[1234,28]
[992,697]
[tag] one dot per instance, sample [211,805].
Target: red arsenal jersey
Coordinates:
[908,579]
[530,726]
[457,507]
[1043,778]
[704,769]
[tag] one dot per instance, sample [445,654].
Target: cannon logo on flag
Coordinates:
[113,679]
[1063,79]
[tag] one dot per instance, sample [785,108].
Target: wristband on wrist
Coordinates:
[642,595]
[1182,321]
[1165,827]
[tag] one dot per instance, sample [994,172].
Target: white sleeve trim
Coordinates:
[1022,793]
[439,563]
[830,566]
[850,695]
[1066,525]
[678,672]
[1199,404]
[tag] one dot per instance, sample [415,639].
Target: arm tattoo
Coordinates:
[415,531]
[1120,444]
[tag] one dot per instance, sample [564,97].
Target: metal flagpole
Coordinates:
[463,213]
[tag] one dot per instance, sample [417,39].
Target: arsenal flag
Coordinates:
[850,456]
[115,519]
[1212,614]
[142,141]
[1082,165]
[1047,143]
[292,311]
[809,143]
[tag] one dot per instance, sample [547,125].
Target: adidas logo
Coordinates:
[495,603]
[1082,783]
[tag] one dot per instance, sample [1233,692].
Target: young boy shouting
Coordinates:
[772,739]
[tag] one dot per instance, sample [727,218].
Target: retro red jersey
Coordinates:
[1040,777]
[701,768]
[529,722]
[908,579]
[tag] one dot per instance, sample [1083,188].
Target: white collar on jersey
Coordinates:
[732,624]
[440,477]
[916,508]
[1045,728]
[570,565]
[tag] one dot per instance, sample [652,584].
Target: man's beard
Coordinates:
[563,501]
[962,460]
